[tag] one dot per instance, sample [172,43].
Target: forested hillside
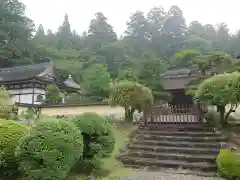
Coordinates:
[151,43]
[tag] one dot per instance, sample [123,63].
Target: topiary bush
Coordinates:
[50,150]
[98,140]
[10,133]
[228,163]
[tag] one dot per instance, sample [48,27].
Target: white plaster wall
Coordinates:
[26,98]
[37,92]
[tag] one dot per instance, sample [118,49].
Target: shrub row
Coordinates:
[53,148]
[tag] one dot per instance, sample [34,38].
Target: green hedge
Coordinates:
[50,150]
[10,133]
[228,163]
[98,140]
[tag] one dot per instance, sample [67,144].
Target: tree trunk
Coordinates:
[231,110]
[129,114]
[221,110]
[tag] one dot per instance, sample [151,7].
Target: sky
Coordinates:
[51,13]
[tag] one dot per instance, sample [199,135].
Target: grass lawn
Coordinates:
[111,164]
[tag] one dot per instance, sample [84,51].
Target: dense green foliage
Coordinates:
[96,82]
[53,94]
[150,44]
[10,134]
[130,95]
[31,115]
[5,104]
[98,140]
[132,65]
[228,163]
[50,150]
[16,30]
[220,90]
[205,65]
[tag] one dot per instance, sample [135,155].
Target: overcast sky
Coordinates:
[50,13]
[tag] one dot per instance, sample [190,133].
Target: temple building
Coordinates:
[175,81]
[27,84]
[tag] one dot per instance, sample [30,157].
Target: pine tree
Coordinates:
[64,34]
[100,32]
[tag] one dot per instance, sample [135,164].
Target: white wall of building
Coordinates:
[26,95]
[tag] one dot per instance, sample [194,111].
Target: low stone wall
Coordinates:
[73,110]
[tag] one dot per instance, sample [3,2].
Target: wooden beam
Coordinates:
[33,93]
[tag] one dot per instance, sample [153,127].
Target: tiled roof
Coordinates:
[176,78]
[175,83]
[176,73]
[41,72]
[22,72]
[71,83]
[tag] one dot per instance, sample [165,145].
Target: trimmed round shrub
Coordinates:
[50,150]
[10,133]
[228,163]
[98,139]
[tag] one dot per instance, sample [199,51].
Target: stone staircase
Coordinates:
[187,148]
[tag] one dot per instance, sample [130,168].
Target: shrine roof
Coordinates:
[174,79]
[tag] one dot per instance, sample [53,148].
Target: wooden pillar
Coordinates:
[199,111]
[145,115]
[33,93]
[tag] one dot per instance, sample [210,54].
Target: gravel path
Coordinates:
[146,175]
[165,176]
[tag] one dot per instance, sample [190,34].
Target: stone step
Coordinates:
[172,170]
[187,150]
[149,162]
[173,156]
[181,138]
[178,133]
[177,127]
[178,144]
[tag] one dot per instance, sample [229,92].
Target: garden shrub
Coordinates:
[50,150]
[221,91]
[6,107]
[228,163]
[53,94]
[212,118]
[10,133]
[98,139]
[131,96]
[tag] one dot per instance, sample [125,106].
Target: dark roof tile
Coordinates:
[176,78]
[175,83]
[71,83]
[176,73]
[22,72]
